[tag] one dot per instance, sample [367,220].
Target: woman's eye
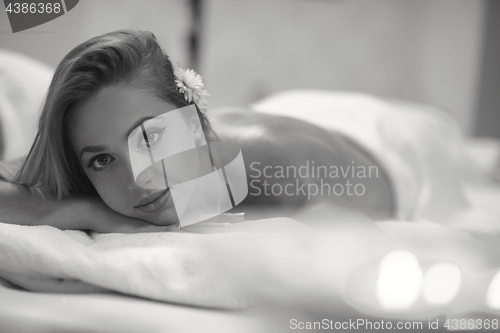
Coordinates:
[100,162]
[152,136]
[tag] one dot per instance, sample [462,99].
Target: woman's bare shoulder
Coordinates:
[246,125]
[278,139]
[279,142]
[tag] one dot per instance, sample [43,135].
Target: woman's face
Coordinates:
[99,133]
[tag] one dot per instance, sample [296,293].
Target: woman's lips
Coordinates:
[154,202]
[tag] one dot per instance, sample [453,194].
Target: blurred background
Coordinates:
[440,52]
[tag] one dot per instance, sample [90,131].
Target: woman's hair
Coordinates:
[128,58]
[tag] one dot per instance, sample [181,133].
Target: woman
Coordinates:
[78,173]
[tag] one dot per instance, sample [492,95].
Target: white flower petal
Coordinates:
[190,84]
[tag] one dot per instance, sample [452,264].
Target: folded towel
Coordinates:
[159,266]
[223,270]
[285,264]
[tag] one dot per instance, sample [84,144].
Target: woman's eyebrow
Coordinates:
[101,148]
[137,124]
[92,149]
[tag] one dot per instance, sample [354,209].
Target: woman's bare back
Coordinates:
[273,145]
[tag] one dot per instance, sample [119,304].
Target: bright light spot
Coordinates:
[442,283]
[399,280]
[493,295]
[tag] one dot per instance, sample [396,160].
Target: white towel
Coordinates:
[224,270]
[284,265]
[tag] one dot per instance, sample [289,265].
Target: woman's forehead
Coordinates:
[112,114]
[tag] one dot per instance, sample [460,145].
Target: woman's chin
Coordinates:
[163,223]
[162,219]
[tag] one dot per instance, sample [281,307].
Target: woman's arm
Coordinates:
[29,206]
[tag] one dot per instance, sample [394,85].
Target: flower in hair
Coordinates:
[190,84]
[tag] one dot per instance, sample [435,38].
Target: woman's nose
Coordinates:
[137,173]
[151,178]
[144,178]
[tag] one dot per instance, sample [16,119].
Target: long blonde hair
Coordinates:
[132,58]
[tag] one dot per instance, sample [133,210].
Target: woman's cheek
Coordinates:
[111,193]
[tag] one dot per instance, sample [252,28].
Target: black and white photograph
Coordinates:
[263,166]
